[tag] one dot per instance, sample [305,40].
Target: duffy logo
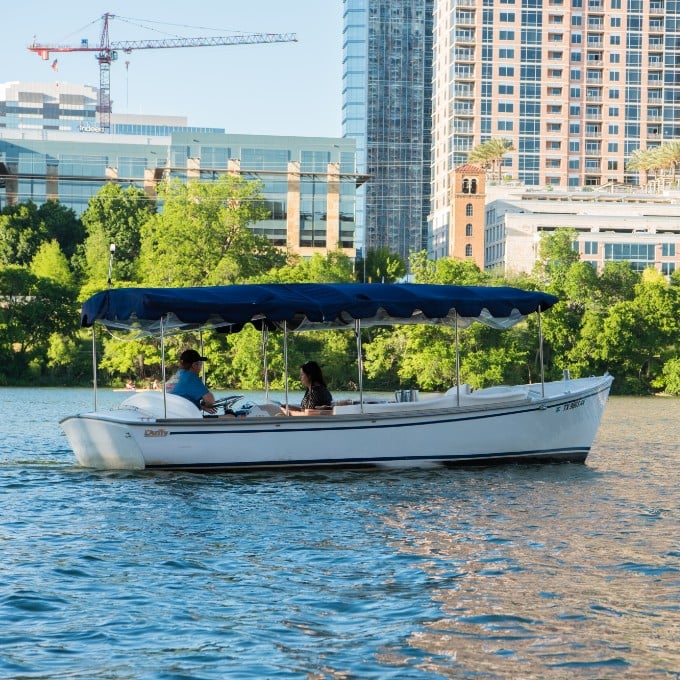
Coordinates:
[155,433]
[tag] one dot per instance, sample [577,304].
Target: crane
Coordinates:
[107,51]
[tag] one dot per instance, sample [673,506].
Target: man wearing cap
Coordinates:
[188,384]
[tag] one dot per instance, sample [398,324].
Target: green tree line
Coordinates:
[196,234]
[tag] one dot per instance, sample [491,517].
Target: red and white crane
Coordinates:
[107,51]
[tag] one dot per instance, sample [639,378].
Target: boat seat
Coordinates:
[151,404]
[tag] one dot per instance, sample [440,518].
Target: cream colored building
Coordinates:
[639,228]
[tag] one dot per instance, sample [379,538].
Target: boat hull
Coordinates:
[497,429]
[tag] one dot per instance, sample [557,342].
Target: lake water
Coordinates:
[554,571]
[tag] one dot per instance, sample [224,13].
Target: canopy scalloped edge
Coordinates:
[309,306]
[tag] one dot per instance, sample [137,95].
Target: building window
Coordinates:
[590,247]
[468,229]
[667,268]
[468,210]
[668,249]
[468,250]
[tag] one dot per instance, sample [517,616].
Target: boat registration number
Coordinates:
[571,405]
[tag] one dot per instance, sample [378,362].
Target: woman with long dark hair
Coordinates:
[317,395]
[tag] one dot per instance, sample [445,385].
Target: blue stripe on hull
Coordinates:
[574,455]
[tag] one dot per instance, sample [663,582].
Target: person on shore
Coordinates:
[187,382]
[317,395]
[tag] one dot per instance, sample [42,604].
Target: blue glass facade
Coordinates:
[387,74]
[309,183]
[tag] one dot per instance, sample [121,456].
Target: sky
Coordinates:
[278,88]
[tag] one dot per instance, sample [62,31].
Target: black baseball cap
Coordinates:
[190,356]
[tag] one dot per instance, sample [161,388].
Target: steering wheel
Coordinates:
[227,402]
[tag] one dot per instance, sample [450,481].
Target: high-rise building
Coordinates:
[575,85]
[387,74]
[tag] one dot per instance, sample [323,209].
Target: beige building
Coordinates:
[638,228]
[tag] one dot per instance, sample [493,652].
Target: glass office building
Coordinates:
[387,72]
[309,183]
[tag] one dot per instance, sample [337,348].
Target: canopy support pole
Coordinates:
[94,366]
[285,362]
[360,362]
[457,365]
[540,351]
[200,342]
[165,405]
[265,337]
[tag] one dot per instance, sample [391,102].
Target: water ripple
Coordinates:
[549,571]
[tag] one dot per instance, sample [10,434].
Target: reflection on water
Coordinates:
[565,571]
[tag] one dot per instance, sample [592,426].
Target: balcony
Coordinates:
[466,54]
[464,38]
[465,18]
[464,73]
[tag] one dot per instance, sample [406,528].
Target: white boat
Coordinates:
[541,422]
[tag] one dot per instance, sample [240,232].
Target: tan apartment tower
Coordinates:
[576,86]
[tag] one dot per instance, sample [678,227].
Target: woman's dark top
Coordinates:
[316,397]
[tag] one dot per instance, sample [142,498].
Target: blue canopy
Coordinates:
[305,306]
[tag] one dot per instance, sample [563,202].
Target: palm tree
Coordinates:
[490,154]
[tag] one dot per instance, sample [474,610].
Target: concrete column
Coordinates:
[293,207]
[193,169]
[333,208]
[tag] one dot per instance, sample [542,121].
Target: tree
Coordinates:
[115,215]
[50,263]
[202,235]
[490,154]
[21,233]
[380,266]
[63,225]
[32,310]
[556,253]
[446,270]
[334,267]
